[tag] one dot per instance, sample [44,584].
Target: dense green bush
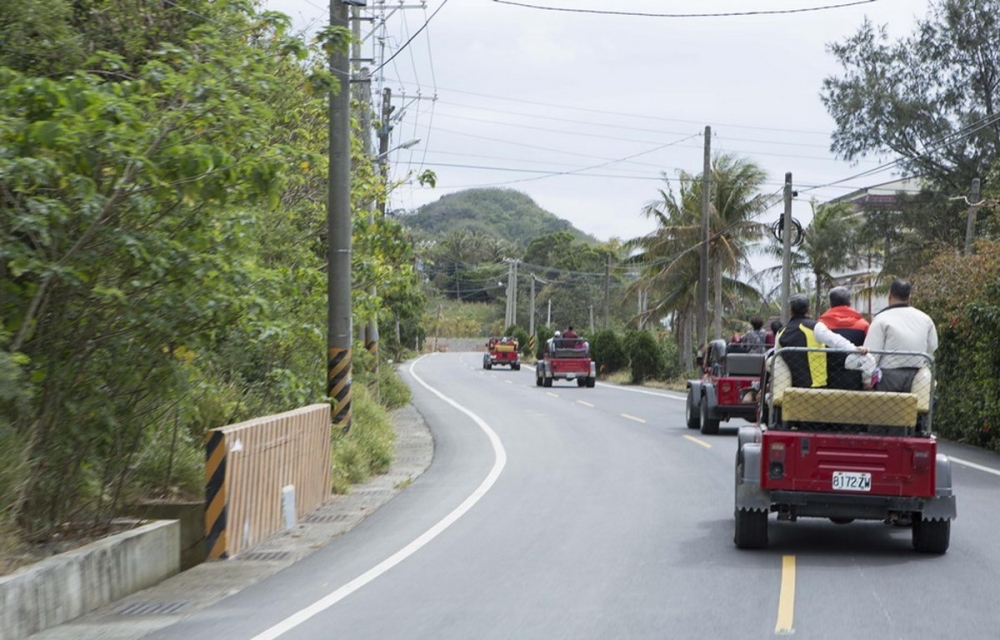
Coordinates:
[608,352]
[961,293]
[368,448]
[672,366]
[645,355]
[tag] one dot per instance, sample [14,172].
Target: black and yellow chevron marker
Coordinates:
[338,385]
[531,344]
[215,496]
[372,347]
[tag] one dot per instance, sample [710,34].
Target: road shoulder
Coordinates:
[173,600]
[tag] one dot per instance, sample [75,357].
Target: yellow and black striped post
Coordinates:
[215,496]
[531,345]
[338,385]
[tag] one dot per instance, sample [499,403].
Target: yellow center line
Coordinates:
[697,441]
[625,415]
[549,393]
[786,599]
[586,404]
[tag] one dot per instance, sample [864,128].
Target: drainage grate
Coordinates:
[339,517]
[265,555]
[152,608]
[374,492]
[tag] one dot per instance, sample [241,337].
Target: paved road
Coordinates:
[593,513]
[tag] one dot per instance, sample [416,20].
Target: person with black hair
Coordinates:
[843,320]
[808,369]
[754,340]
[900,327]
[569,333]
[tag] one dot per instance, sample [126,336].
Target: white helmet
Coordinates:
[558,334]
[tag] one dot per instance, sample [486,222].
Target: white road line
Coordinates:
[554,395]
[973,465]
[625,415]
[509,381]
[500,460]
[621,388]
[586,404]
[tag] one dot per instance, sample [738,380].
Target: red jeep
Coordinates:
[726,389]
[566,359]
[844,455]
[502,351]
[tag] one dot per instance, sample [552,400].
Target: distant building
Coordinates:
[863,280]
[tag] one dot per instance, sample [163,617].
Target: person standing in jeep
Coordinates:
[847,322]
[900,327]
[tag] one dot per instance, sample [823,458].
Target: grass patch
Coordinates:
[624,377]
[367,449]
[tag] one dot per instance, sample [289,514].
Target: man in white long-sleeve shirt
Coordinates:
[900,327]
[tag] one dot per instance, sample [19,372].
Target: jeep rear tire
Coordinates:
[709,426]
[591,382]
[547,382]
[692,412]
[931,536]
[538,381]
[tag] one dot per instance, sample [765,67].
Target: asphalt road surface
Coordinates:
[575,513]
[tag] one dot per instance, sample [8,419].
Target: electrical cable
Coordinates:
[415,34]
[607,12]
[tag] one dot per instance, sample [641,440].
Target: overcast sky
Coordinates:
[527,93]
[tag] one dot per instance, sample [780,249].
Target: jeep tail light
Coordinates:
[776,460]
[921,460]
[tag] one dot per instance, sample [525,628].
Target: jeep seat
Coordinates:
[744,364]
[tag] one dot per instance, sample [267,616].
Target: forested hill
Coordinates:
[503,213]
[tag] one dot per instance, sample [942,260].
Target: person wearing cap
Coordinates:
[809,369]
[900,327]
[843,320]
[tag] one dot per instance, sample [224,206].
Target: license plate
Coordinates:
[570,376]
[852,481]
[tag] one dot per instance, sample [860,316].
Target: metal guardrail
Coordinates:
[249,469]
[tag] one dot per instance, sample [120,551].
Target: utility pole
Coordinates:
[338,218]
[786,254]
[548,317]
[513,304]
[363,95]
[510,284]
[531,308]
[970,225]
[385,127]
[702,321]
[591,319]
[607,289]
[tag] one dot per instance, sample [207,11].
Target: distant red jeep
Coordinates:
[726,389]
[566,359]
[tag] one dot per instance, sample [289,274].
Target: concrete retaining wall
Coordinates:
[71,584]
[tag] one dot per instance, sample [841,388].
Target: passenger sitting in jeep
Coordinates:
[809,369]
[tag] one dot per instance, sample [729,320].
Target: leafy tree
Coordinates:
[645,356]
[668,257]
[930,98]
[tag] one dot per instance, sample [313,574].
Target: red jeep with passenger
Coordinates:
[843,454]
[726,389]
[566,359]
[502,351]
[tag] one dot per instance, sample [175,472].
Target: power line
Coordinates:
[415,34]
[683,15]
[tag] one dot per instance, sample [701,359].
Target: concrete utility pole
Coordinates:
[970,225]
[706,185]
[548,316]
[786,254]
[385,128]
[591,319]
[510,284]
[607,290]
[513,300]
[363,94]
[338,218]
[531,308]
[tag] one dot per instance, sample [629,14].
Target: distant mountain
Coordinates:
[504,213]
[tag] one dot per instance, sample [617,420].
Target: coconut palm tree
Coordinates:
[828,246]
[668,256]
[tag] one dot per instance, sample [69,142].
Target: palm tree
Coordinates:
[828,246]
[668,256]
